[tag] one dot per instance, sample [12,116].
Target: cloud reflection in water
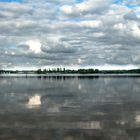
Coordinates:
[34,101]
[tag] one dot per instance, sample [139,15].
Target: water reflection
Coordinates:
[34,101]
[70,109]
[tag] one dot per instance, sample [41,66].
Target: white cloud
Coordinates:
[120,26]
[67,9]
[34,45]
[90,23]
[135,31]
[86,7]
[79,60]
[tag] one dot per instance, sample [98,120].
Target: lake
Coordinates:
[74,108]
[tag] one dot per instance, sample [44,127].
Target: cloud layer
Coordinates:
[69,33]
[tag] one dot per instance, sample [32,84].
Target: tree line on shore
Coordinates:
[70,71]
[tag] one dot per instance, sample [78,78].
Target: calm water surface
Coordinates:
[41,108]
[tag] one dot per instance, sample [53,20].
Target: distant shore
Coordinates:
[58,75]
[63,71]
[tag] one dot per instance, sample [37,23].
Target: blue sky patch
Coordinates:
[79,1]
[11,1]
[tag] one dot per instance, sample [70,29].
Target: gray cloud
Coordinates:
[131,16]
[90,33]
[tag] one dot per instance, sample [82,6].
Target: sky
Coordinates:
[102,34]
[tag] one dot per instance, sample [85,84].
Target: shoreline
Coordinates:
[69,75]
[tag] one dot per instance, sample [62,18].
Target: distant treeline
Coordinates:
[70,71]
[86,71]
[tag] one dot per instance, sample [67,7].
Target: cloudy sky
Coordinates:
[69,33]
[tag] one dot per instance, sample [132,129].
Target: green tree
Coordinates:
[39,71]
